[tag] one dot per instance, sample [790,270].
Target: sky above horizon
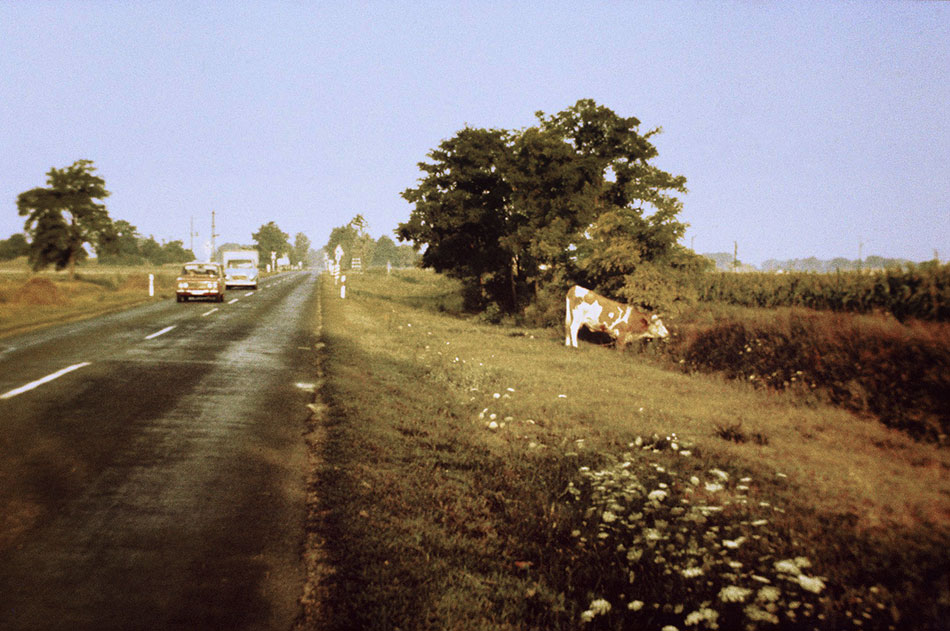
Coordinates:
[802,128]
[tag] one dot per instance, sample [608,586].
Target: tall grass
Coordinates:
[481,477]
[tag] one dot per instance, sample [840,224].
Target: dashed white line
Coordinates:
[40,382]
[250,293]
[233,300]
[162,332]
[207,313]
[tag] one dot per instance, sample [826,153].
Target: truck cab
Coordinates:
[240,269]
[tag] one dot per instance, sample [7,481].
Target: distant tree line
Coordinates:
[726,262]
[270,238]
[357,243]
[67,216]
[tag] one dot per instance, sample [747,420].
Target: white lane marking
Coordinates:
[207,313]
[162,332]
[250,293]
[40,382]
[233,300]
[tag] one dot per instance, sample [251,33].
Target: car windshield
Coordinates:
[241,264]
[199,270]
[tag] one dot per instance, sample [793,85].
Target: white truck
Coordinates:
[240,268]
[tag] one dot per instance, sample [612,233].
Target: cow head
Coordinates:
[651,327]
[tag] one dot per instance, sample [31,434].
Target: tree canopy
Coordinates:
[301,249]
[573,199]
[270,238]
[13,247]
[65,215]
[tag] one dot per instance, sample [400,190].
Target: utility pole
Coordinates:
[735,255]
[191,234]
[213,235]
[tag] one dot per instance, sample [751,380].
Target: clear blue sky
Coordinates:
[803,128]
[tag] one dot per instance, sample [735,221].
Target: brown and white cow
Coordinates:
[622,322]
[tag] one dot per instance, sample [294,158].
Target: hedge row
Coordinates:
[874,365]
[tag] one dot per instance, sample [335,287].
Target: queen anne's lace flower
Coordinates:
[734,594]
[705,615]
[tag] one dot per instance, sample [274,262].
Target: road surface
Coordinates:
[152,465]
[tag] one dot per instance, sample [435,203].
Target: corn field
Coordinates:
[922,292]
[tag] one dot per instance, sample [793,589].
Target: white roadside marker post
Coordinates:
[343,286]
[151,285]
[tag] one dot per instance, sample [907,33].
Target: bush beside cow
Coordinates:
[621,322]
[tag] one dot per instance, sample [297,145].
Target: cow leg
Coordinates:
[567,323]
[575,329]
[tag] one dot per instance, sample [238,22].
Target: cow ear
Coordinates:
[655,317]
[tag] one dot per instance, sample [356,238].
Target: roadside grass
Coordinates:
[33,300]
[470,476]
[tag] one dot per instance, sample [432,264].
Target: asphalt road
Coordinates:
[152,465]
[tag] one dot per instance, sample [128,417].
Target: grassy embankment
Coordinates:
[481,477]
[29,301]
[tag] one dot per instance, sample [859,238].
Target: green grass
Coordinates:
[469,476]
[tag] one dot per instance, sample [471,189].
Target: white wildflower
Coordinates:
[633,555]
[713,488]
[787,566]
[658,495]
[608,517]
[652,534]
[733,543]
[493,425]
[760,522]
[691,572]
[802,562]
[811,583]
[734,594]
[669,627]
[768,594]
[709,616]
[597,607]
[497,395]
[694,481]
[635,605]
[719,473]
[753,613]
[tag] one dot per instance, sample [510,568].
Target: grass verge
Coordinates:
[479,477]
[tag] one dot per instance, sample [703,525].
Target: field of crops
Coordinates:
[922,292]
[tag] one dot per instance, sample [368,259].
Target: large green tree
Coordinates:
[460,213]
[270,238]
[298,254]
[65,215]
[504,211]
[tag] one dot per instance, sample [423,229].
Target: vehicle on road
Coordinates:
[240,268]
[201,280]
